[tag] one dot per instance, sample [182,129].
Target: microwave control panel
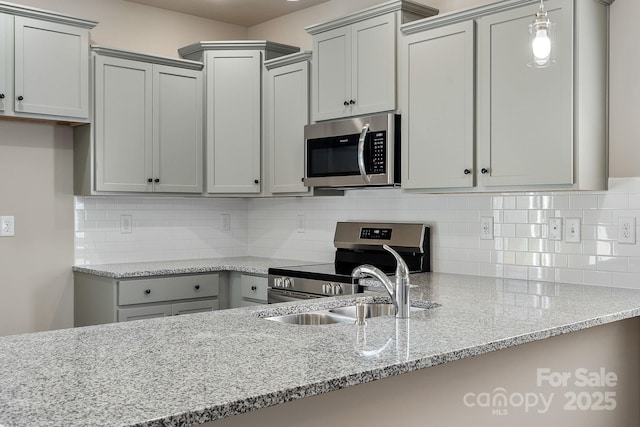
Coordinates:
[378,152]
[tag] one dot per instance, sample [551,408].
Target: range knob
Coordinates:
[326,289]
[337,289]
[277,282]
[287,283]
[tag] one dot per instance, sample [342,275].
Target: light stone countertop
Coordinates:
[251,265]
[189,369]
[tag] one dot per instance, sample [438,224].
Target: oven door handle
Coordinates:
[361,165]
[279,295]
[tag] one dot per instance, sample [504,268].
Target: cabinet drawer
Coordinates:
[166,289]
[194,307]
[253,287]
[127,314]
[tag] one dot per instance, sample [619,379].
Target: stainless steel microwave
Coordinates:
[356,152]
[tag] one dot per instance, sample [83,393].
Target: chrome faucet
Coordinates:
[400,294]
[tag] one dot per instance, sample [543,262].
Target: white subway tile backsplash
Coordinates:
[182,228]
[598,278]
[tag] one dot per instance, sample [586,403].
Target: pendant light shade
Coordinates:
[541,32]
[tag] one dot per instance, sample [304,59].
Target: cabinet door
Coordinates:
[525,114]
[177,129]
[373,62]
[123,126]
[287,112]
[5,60]
[438,120]
[331,76]
[253,288]
[233,121]
[51,68]
[148,312]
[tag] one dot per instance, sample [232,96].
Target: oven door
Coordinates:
[280,295]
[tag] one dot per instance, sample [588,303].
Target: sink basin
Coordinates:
[370,310]
[340,314]
[313,318]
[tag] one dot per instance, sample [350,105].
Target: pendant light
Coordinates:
[541,52]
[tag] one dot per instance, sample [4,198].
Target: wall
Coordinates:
[289,29]
[438,396]
[190,228]
[136,27]
[624,136]
[36,176]
[36,169]
[162,229]
[624,58]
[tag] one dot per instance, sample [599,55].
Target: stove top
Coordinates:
[328,271]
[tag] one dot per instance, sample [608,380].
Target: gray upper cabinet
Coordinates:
[354,66]
[476,118]
[5,60]
[234,92]
[234,112]
[147,125]
[525,126]
[287,112]
[31,38]
[438,115]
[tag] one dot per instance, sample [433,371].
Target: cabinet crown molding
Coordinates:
[279,48]
[471,13]
[293,58]
[371,12]
[45,15]
[143,57]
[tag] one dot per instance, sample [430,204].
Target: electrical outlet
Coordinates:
[486,228]
[7,226]
[225,222]
[126,222]
[555,228]
[627,229]
[572,230]
[300,223]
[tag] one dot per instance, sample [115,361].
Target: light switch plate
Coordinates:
[572,230]
[7,226]
[555,229]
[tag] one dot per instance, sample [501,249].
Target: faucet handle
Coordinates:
[401,269]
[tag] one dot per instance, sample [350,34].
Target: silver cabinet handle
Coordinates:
[363,171]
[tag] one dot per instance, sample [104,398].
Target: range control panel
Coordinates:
[375,233]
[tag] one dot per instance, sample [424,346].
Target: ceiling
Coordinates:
[240,12]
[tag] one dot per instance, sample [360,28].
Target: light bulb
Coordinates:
[541,47]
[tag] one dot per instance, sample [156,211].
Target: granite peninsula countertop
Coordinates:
[185,370]
[255,265]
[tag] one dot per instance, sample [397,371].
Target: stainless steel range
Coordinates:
[356,243]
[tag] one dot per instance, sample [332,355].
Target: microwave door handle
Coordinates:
[361,166]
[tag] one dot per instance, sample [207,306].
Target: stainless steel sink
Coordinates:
[370,310]
[313,318]
[338,315]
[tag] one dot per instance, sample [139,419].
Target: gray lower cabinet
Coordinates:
[247,289]
[104,300]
